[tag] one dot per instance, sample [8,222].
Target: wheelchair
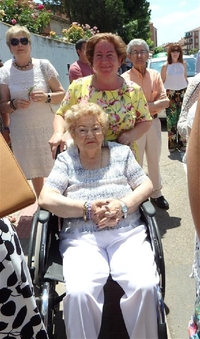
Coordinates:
[45,265]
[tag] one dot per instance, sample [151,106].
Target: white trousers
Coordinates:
[88,260]
[150,143]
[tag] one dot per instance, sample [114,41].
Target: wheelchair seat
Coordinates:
[45,265]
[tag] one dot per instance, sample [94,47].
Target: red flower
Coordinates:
[40,6]
[13,21]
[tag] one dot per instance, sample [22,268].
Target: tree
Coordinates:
[193,51]
[129,18]
[159,49]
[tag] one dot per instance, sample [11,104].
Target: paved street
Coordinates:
[177,232]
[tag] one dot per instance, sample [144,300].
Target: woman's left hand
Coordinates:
[125,138]
[106,213]
[38,96]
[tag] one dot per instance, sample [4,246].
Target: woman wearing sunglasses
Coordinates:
[27,87]
[174,77]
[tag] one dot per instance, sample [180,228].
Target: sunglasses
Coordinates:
[176,50]
[15,41]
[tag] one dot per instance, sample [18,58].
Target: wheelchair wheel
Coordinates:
[38,261]
[47,306]
[31,249]
[162,331]
[161,261]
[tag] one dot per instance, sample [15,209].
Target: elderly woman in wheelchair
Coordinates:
[97,189]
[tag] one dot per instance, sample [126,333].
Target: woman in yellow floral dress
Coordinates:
[123,101]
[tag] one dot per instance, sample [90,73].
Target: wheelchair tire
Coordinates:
[31,248]
[47,306]
[38,270]
[161,258]
[162,331]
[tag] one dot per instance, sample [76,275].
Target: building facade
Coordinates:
[192,39]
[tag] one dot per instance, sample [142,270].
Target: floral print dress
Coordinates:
[126,106]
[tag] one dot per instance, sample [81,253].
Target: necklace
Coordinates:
[22,67]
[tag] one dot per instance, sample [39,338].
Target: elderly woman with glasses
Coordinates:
[123,101]
[97,189]
[27,86]
[174,77]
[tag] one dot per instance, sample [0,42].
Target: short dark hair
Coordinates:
[79,43]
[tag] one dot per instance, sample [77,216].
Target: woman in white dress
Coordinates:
[174,77]
[27,87]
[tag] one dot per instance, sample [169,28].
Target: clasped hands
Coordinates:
[106,212]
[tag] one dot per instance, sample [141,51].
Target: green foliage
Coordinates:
[25,13]
[136,20]
[193,51]
[158,50]
[129,18]
[150,43]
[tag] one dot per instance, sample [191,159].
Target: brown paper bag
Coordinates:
[15,191]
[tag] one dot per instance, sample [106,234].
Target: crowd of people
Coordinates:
[96,185]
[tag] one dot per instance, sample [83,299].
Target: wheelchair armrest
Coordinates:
[148,208]
[43,216]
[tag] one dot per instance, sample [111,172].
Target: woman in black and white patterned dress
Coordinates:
[19,316]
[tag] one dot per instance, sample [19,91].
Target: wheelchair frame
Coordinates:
[45,264]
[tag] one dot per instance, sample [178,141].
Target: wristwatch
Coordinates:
[48,98]
[124,209]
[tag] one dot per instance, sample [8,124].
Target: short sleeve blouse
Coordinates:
[125,106]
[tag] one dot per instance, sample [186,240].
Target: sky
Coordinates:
[173,18]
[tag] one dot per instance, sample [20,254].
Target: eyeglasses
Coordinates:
[83,131]
[15,41]
[142,52]
[175,50]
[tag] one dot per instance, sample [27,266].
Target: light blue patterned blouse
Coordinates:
[122,175]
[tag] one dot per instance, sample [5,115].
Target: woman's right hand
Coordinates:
[106,212]
[21,103]
[57,139]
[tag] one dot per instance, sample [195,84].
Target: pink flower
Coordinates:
[13,21]
[40,6]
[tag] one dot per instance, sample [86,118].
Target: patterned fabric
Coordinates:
[190,98]
[30,129]
[172,114]
[19,316]
[119,178]
[125,107]
[194,323]
[193,330]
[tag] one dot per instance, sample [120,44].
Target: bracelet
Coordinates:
[48,99]
[12,104]
[87,211]
[6,128]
